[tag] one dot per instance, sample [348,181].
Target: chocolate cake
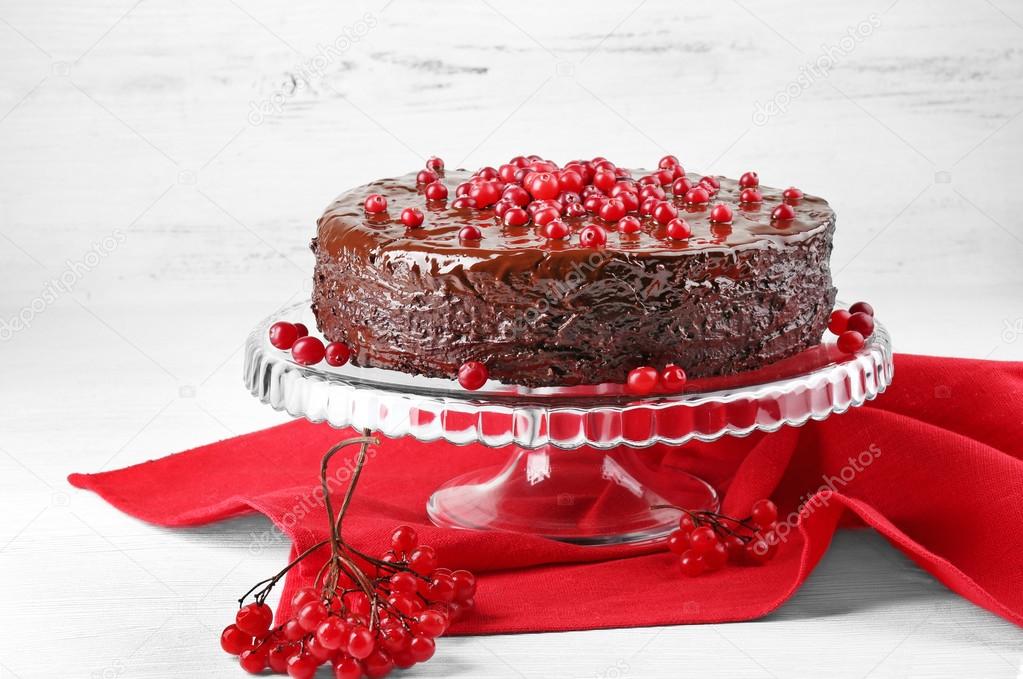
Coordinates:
[547,303]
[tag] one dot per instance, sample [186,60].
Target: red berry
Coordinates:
[516,216]
[750,196]
[710,183]
[678,229]
[764,513]
[278,657]
[678,542]
[642,380]
[426,177]
[404,582]
[302,666]
[697,196]
[304,596]
[703,539]
[686,524]
[604,180]
[862,323]
[517,195]
[431,623]
[470,232]
[337,354]
[348,668]
[673,378]
[292,630]
[593,236]
[254,619]
[575,210]
[716,558]
[665,212]
[861,307]
[441,588]
[404,539]
[570,180]
[422,648]
[412,217]
[783,212]
[792,195]
[652,191]
[253,661]
[555,230]
[234,641]
[668,161]
[308,351]
[301,329]
[463,203]
[721,214]
[375,203]
[850,341]
[628,225]
[485,193]
[378,665]
[749,180]
[472,375]
[361,643]
[839,321]
[681,186]
[311,615]
[436,191]
[545,215]
[736,548]
[283,335]
[612,210]
[434,163]
[691,563]
[423,559]
[332,633]
[543,186]
[465,584]
[757,551]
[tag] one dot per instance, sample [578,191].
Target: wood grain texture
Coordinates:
[164,163]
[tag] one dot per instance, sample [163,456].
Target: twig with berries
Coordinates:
[364,615]
[706,541]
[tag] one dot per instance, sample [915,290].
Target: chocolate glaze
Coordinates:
[731,298]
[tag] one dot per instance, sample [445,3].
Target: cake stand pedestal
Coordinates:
[581,464]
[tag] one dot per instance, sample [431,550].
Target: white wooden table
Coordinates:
[164,163]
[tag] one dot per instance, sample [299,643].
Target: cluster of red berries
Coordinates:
[646,380]
[706,541]
[410,603]
[307,350]
[852,327]
[529,189]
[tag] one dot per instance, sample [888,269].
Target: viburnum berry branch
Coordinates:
[364,615]
[707,540]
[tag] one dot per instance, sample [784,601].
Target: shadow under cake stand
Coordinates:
[580,464]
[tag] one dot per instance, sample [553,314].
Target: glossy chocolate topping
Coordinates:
[732,297]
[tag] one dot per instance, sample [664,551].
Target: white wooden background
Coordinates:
[190,146]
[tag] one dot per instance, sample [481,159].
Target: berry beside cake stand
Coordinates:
[580,464]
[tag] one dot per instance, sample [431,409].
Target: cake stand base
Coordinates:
[584,496]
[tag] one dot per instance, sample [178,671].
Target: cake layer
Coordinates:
[730,298]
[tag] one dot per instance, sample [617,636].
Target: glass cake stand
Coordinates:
[578,464]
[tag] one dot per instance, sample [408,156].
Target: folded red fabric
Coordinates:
[935,465]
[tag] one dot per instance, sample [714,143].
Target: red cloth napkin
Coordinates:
[934,465]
